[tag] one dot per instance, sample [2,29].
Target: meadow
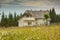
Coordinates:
[31,33]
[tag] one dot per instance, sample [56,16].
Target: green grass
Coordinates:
[30,33]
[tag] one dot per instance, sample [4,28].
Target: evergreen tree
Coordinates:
[6,21]
[2,20]
[58,18]
[15,19]
[52,14]
[10,20]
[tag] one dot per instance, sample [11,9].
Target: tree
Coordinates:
[15,19]
[3,21]
[6,19]
[10,20]
[52,14]
[58,18]
[46,17]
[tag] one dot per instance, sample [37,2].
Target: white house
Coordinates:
[33,18]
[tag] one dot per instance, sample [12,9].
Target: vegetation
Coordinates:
[46,18]
[15,19]
[10,20]
[30,33]
[3,21]
[52,14]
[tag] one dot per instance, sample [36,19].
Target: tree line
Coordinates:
[55,18]
[10,20]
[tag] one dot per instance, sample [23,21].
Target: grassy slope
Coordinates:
[30,33]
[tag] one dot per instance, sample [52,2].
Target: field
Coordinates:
[30,33]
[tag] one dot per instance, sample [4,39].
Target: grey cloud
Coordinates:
[18,2]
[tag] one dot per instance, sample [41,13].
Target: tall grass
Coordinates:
[30,33]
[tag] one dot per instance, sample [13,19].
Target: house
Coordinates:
[33,18]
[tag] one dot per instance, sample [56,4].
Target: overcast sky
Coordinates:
[21,5]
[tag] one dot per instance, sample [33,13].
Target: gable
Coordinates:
[27,15]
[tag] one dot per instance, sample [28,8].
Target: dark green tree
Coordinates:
[52,14]
[3,20]
[15,19]
[58,18]
[46,18]
[10,20]
[6,20]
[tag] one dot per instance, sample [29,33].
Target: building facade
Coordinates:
[33,18]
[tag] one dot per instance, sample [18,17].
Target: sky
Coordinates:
[19,6]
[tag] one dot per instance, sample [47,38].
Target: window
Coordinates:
[28,15]
[29,23]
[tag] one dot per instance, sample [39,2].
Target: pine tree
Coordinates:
[2,20]
[10,20]
[6,21]
[15,19]
[52,14]
[58,18]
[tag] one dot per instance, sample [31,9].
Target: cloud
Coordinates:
[31,2]
[35,3]
[5,1]
[38,3]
